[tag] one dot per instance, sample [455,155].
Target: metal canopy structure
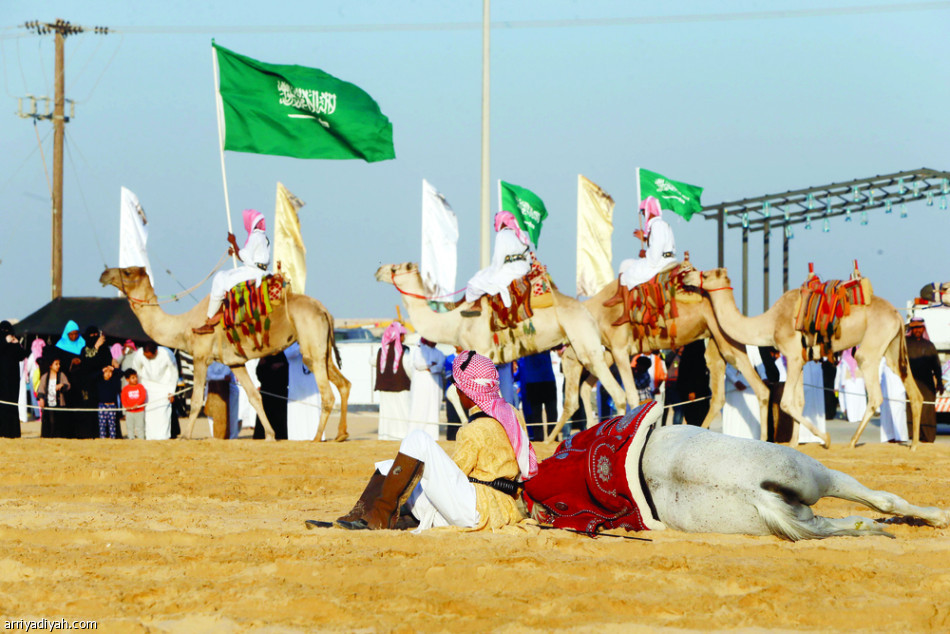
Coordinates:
[818,204]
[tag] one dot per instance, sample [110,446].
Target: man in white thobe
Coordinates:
[660,251]
[814,380]
[425,395]
[849,382]
[158,373]
[510,260]
[893,409]
[740,412]
[303,398]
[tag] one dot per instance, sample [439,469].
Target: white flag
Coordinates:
[289,249]
[595,226]
[440,236]
[133,233]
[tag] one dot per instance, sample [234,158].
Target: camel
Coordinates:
[695,321]
[776,327]
[759,488]
[300,318]
[566,321]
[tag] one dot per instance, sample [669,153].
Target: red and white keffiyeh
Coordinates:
[506,219]
[393,333]
[253,219]
[479,381]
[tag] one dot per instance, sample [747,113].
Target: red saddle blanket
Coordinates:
[650,308]
[247,309]
[527,293]
[823,304]
[584,485]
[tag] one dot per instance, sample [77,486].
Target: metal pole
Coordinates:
[721,221]
[766,234]
[745,270]
[485,219]
[785,260]
[58,133]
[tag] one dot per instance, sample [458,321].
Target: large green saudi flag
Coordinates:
[679,198]
[297,111]
[527,208]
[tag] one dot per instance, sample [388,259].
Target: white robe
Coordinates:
[852,396]
[303,398]
[740,413]
[636,271]
[893,409]
[814,410]
[494,279]
[159,376]
[254,255]
[426,391]
[246,414]
[394,406]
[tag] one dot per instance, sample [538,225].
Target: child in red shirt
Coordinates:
[133,400]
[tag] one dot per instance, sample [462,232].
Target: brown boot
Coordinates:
[372,491]
[402,479]
[208,327]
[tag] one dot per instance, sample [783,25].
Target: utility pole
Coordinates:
[60,28]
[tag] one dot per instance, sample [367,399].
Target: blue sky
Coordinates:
[740,105]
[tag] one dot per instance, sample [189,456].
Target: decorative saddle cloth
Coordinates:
[247,308]
[528,293]
[821,305]
[651,308]
[584,485]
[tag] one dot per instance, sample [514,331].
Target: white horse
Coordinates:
[705,482]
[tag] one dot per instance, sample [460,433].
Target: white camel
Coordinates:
[877,329]
[704,482]
[299,318]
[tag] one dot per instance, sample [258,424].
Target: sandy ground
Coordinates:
[209,536]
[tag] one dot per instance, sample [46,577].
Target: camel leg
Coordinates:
[197,396]
[254,396]
[571,369]
[793,399]
[910,386]
[587,390]
[872,385]
[717,381]
[343,387]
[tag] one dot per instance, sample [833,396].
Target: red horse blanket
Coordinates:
[584,485]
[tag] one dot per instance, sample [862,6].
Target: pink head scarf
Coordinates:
[479,381]
[651,209]
[116,351]
[37,347]
[392,333]
[848,359]
[507,219]
[253,219]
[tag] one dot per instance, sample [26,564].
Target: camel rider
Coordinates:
[509,261]
[255,258]
[660,249]
[475,488]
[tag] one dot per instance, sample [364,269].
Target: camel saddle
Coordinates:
[247,308]
[821,305]
[584,485]
[651,308]
[528,293]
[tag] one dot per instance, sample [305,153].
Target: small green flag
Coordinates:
[679,198]
[291,110]
[526,207]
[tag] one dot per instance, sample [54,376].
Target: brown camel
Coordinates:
[299,318]
[877,329]
[566,321]
[695,320]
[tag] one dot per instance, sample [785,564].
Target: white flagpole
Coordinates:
[224,174]
[485,250]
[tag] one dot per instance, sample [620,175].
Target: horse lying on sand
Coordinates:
[630,473]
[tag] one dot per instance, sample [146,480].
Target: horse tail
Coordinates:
[788,517]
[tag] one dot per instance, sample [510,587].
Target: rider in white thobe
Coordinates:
[509,261]
[158,373]
[660,247]
[425,395]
